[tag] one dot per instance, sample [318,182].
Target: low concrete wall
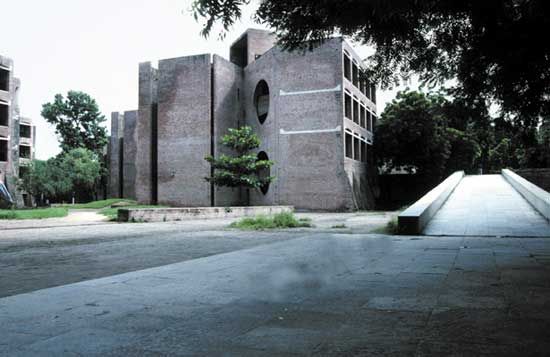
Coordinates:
[414,219]
[187,213]
[536,196]
[540,177]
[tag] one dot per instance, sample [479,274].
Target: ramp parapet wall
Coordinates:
[416,217]
[536,196]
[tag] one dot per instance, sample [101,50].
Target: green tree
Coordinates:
[83,168]
[243,169]
[411,135]
[465,152]
[544,142]
[73,173]
[46,180]
[488,46]
[78,122]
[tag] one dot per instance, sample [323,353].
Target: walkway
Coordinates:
[487,206]
[320,295]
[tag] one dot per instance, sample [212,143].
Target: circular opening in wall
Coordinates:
[264,173]
[261,100]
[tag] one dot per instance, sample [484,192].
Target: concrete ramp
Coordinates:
[487,206]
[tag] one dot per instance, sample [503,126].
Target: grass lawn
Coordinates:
[280,220]
[37,213]
[112,213]
[98,204]
[390,228]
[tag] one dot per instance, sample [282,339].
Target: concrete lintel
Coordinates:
[536,196]
[291,132]
[185,213]
[335,89]
[416,217]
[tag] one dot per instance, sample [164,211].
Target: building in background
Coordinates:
[17,134]
[312,110]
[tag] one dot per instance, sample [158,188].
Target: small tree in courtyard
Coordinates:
[243,169]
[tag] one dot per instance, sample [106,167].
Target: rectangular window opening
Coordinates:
[24,151]
[363,151]
[363,117]
[355,75]
[347,68]
[347,107]
[4,79]
[349,148]
[4,114]
[369,121]
[25,131]
[356,149]
[3,150]
[373,93]
[355,111]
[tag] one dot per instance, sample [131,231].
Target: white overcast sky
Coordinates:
[95,47]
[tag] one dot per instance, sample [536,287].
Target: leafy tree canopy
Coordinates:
[495,49]
[58,178]
[435,135]
[411,135]
[243,169]
[78,122]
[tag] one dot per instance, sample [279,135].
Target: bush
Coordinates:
[280,220]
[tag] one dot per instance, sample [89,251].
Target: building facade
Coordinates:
[312,110]
[17,134]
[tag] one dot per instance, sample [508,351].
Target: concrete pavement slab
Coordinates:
[322,294]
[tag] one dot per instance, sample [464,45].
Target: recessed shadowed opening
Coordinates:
[4,80]
[261,100]
[264,173]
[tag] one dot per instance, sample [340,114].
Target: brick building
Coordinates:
[17,134]
[313,114]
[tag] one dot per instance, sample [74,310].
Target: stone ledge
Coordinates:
[188,213]
[414,219]
[536,196]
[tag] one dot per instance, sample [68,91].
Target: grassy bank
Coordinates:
[99,204]
[37,213]
[280,220]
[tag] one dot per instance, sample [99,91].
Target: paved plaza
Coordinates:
[487,206]
[318,294]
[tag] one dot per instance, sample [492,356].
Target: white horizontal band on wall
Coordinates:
[292,132]
[335,89]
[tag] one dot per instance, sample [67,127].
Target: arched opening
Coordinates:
[264,173]
[261,100]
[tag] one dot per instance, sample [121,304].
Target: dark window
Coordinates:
[24,151]
[356,149]
[369,121]
[355,111]
[363,118]
[4,79]
[25,131]
[355,75]
[349,146]
[373,93]
[363,151]
[23,171]
[373,122]
[347,107]
[3,150]
[261,100]
[4,114]
[264,173]
[347,68]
